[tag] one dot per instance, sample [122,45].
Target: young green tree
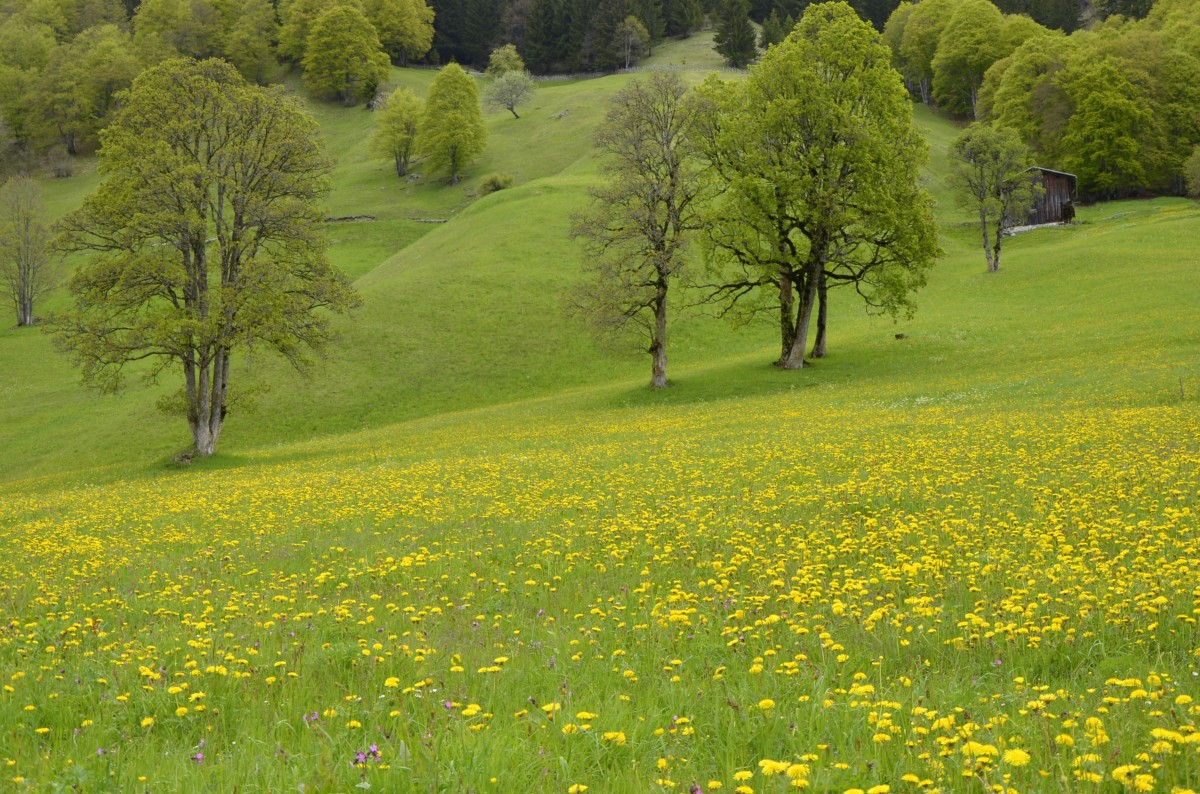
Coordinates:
[633,40]
[735,39]
[343,59]
[452,130]
[989,174]
[772,31]
[24,262]
[503,60]
[396,125]
[204,239]
[817,165]
[405,27]
[509,90]
[642,216]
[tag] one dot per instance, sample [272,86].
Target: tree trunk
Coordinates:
[994,264]
[987,247]
[795,353]
[658,342]
[818,350]
[401,166]
[513,110]
[787,303]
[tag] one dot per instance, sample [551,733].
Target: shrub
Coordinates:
[493,182]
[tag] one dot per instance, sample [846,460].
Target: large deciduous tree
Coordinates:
[970,43]
[818,165]
[343,58]
[204,238]
[24,263]
[989,173]
[452,130]
[643,214]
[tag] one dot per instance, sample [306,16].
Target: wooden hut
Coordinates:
[1055,205]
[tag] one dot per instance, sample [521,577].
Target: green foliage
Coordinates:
[503,60]
[1102,140]
[296,18]
[171,28]
[633,40]
[24,264]
[970,43]
[818,164]
[25,45]
[396,125]
[452,130]
[405,27]
[685,17]
[78,88]
[988,173]
[773,30]
[1024,93]
[203,235]
[1191,173]
[735,39]
[343,59]
[247,42]
[509,90]
[494,181]
[919,43]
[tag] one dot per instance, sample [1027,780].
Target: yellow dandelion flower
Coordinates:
[147,722]
[766,704]
[1016,757]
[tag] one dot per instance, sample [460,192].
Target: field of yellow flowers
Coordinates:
[750,596]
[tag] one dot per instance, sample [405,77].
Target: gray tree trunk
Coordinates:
[987,246]
[818,350]
[799,342]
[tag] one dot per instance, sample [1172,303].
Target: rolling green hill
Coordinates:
[476,553]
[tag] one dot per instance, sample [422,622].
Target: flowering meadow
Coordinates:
[747,596]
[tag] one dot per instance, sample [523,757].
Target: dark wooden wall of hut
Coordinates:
[1049,208]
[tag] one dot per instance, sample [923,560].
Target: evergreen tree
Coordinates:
[650,12]
[684,17]
[735,37]
[481,27]
[610,15]
[772,31]
[542,35]
[452,130]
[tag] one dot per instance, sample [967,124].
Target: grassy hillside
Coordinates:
[476,553]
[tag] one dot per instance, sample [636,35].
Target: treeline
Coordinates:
[1117,104]
[64,62]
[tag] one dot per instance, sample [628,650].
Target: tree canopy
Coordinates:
[343,58]
[204,239]
[989,173]
[452,130]
[642,216]
[396,125]
[818,165]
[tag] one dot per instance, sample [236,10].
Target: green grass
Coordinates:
[991,519]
